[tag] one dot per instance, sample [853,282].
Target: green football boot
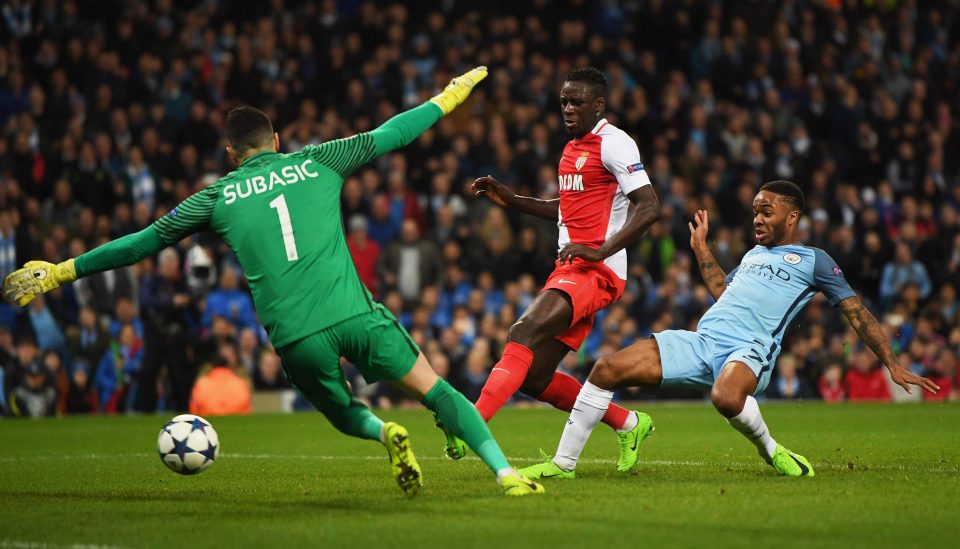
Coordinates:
[455,448]
[516,485]
[791,464]
[402,461]
[630,442]
[546,469]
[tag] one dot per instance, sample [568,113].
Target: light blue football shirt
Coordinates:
[767,290]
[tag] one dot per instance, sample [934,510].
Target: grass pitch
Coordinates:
[887,475]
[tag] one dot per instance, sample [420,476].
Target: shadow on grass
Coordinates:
[237,505]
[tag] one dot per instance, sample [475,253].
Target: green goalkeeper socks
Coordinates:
[461,418]
[355,419]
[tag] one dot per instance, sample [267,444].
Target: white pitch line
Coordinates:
[740,465]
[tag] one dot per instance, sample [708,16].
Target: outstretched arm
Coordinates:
[645,210]
[713,275]
[502,196]
[403,128]
[37,277]
[345,155]
[870,332]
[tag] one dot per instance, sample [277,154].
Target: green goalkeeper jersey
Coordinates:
[280,214]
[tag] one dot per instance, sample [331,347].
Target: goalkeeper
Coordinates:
[280,214]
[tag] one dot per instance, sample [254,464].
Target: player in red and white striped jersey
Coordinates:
[600,176]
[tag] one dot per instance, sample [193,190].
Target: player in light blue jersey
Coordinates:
[738,339]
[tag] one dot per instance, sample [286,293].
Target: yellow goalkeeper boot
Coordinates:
[402,461]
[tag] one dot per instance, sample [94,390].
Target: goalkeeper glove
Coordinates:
[35,278]
[458,89]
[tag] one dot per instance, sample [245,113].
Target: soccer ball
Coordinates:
[188,444]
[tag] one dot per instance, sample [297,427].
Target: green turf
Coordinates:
[887,475]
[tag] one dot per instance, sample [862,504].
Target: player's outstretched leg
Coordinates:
[355,419]
[732,395]
[631,426]
[313,366]
[462,419]
[458,415]
[638,364]
[547,317]
[505,379]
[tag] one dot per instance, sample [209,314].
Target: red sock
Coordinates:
[616,416]
[504,380]
[562,394]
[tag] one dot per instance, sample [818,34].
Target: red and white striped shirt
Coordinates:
[596,174]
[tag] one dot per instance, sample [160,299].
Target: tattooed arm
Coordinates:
[713,275]
[870,332]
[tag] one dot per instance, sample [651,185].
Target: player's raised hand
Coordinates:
[574,251]
[37,277]
[698,232]
[458,89]
[492,189]
[905,378]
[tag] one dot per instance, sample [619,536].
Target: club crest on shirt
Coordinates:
[582,160]
[792,259]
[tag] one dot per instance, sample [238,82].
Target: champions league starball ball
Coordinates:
[188,444]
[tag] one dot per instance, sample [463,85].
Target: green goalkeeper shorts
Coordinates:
[374,342]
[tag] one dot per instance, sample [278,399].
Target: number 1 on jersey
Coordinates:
[286,228]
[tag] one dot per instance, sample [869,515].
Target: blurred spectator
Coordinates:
[831,383]
[247,351]
[474,375]
[384,224]
[365,252]
[865,380]
[49,335]
[942,372]
[220,391]
[166,309]
[12,242]
[118,375]
[901,271]
[269,374]
[81,398]
[103,290]
[88,340]
[125,313]
[26,352]
[229,302]
[35,395]
[410,264]
[58,377]
[787,384]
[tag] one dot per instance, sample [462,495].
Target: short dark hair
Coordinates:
[593,77]
[787,189]
[248,128]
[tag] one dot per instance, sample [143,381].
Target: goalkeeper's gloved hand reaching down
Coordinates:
[458,89]
[35,278]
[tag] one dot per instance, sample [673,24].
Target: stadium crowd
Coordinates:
[111,113]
